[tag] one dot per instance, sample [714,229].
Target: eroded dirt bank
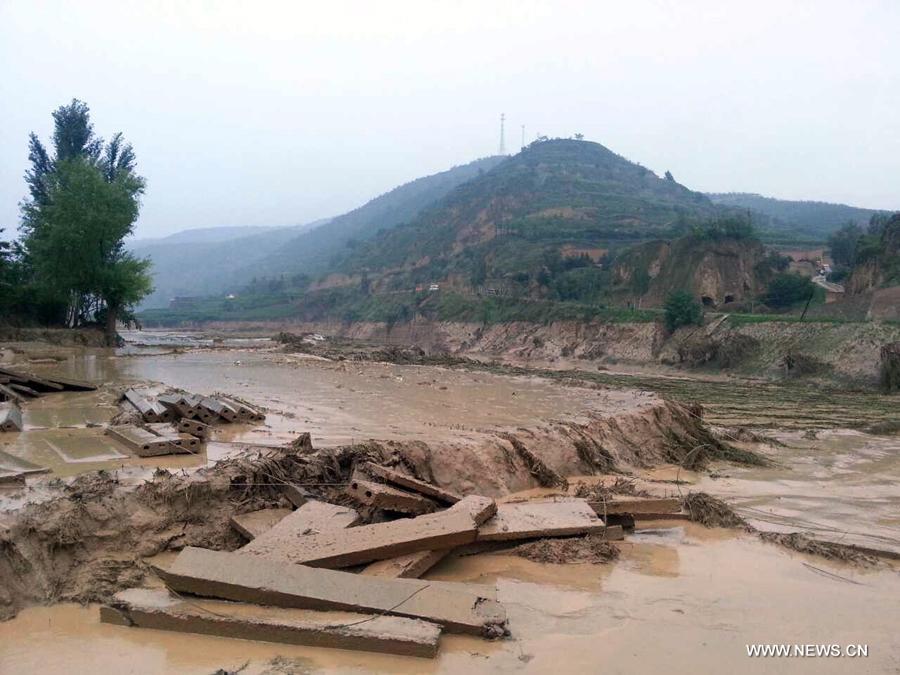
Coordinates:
[847,352]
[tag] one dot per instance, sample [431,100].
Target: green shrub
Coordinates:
[788,289]
[681,309]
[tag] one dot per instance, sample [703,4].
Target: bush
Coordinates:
[681,309]
[788,289]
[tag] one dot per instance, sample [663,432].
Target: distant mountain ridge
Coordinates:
[232,257]
[816,219]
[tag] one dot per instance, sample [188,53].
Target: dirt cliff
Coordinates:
[717,271]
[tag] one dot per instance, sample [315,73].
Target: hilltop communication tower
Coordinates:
[502,138]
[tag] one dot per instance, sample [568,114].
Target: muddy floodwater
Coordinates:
[680,599]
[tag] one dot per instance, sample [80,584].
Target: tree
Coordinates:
[670,177]
[843,244]
[788,289]
[84,201]
[681,309]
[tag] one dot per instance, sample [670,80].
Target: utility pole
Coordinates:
[502,138]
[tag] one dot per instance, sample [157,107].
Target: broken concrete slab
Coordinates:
[409,566]
[12,464]
[233,576]
[538,519]
[158,609]
[194,428]
[367,543]
[626,504]
[244,410]
[150,411]
[388,498]
[176,438]
[295,494]
[313,517]
[255,523]
[218,409]
[10,417]
[144,443]
[401,479]
[9,394]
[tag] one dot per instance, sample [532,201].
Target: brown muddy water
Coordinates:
[680,599]
[338,403]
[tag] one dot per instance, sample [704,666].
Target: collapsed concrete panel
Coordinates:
[244,578]
[388,498]
[537,519]
[409,566]
[157,609]
[358,545]
[633,505]
[312,518]
[402,480]
[255,523]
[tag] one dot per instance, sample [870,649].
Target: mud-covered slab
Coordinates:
[13,468]
[159,610]
[313,517]
[409,566]
[255,523]
[389,498]
[367,543]
[142,442]
[624,504]
[10,417]
[528,520]
[232,576]
[402,480]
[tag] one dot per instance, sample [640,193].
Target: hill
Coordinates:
[795,221]
[312,253]
[233,257]
[555,199]
[176,271]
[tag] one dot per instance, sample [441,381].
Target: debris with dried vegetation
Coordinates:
[711,511]
[592,548]
[797,541]
[603,492]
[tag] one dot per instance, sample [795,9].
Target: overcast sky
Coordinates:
[264,113]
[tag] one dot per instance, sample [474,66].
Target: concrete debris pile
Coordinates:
[330,575]
[17,387]
[178,423]
[194,411]
[14,470]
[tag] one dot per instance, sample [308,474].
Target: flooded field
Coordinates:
[680,598]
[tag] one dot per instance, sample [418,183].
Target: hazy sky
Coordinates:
[264,113]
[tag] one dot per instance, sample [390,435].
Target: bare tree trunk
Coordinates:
[112,314]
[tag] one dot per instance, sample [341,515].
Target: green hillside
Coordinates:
[786,221]
[313,252]
[557,197]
